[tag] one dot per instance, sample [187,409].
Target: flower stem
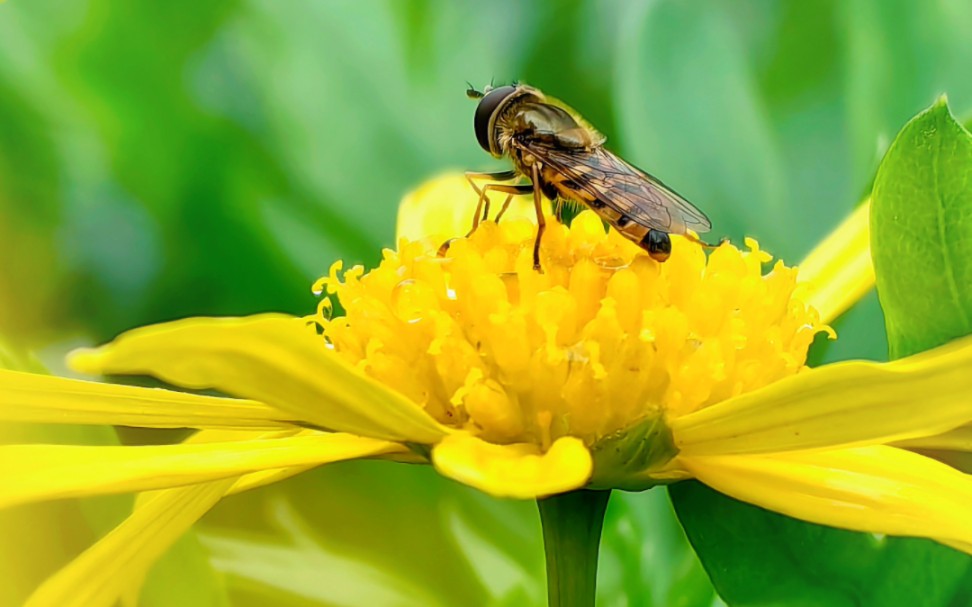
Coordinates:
[571,537]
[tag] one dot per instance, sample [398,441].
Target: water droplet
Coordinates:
[612,263]
[318,287]
[411,300]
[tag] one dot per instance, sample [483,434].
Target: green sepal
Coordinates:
[623,459]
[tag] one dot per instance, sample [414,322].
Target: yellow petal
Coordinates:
[960,546]
[518,471]
[273,359]
[443,208]
[29,397]
[103,573]
[37,472]
[838,272]
[254,480]
[267,477]
[263,477]
[959,439]
[839,405]
[875,489]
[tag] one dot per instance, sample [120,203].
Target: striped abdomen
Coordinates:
[655,242]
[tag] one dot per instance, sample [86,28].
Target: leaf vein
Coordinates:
[942,242]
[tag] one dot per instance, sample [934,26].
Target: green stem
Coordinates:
[571,537]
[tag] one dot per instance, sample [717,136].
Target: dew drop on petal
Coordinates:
[412,300]
[319,285]
[612,262]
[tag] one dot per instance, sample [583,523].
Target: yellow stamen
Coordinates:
[603,338]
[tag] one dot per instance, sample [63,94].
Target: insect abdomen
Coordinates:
[655,242]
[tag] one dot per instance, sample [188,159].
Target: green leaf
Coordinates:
[755,557]
[921,218]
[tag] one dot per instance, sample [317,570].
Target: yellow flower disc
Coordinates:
[604,338]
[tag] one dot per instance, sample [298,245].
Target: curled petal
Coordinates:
[519,471]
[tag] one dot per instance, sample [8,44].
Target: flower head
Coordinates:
[608,370]
[602,341]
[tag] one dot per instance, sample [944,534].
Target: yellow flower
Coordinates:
[608,370]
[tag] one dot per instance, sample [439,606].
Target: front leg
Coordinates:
[511,190]
[483,199]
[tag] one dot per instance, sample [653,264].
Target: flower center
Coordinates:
[603,339]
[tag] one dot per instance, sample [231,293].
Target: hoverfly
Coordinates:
[564,159]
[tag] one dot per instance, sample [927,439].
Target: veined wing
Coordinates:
[623,187]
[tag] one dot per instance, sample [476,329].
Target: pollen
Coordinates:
[603,339]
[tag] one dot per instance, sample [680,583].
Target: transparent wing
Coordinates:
[596,135]
[623,187]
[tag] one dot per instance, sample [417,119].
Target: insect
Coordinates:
[564,159]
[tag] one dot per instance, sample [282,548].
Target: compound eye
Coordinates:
[484,113]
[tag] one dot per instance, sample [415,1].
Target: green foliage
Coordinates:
[756,557]
[664,572]
[164,160]
[376,533]
[921,218]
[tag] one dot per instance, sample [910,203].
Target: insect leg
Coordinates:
[506,205]
[512,190]
[499,176]
[541,222]
[703,243]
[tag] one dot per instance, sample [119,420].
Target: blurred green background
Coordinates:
[159,160]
